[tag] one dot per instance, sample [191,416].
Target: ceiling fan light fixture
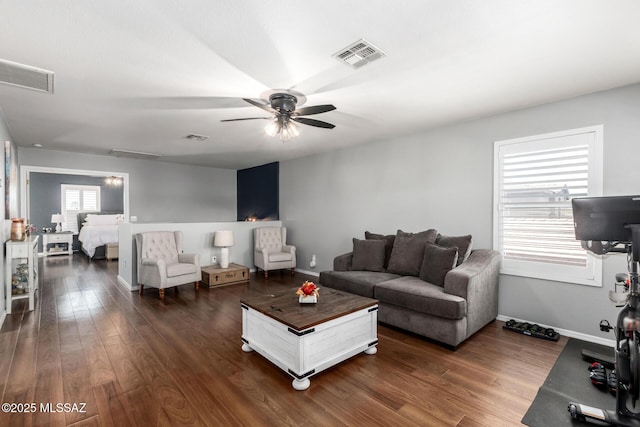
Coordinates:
[289,130]
[273,127]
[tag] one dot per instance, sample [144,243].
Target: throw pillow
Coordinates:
[93,219]
[388,244]
[463,243]
[407,255]
[429,235]
[438,261]
[368,255]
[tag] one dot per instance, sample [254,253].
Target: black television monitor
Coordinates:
[605,218]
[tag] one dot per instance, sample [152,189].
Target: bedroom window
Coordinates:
[75,199]
[535,179]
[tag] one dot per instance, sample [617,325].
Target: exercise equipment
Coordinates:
[532,330]
[602,224]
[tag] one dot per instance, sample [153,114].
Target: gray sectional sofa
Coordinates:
[429,292]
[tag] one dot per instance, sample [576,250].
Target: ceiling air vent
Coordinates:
[359,53]
[134,154]
[196,137]
[15,74]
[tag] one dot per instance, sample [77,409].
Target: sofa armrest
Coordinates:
[343,262]
[476,280]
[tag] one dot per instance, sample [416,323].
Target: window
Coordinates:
[78,198]
[535,179]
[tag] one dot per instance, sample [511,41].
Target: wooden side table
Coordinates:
[65,237]
[214,275]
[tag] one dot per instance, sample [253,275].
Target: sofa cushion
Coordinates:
[180,268]
[368,255]
[438,261]
[417,295]
[463,243]
[408,252]
[279,256]
[355,282]
[388,244]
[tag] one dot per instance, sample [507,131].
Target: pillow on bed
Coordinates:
[102,219]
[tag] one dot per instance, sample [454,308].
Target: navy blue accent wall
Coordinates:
[258,195]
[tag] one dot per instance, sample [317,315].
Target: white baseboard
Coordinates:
[310,273]
[566,332]
[2,317]
[126,284]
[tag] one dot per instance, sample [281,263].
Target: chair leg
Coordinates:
[161,294]
[197,285]
[141,290]
[177,289]
[293,271]
[266,274]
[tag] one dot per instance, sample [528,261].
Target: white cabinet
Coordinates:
[57,239]
[21,271]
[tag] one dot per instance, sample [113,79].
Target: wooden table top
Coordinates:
[285,308]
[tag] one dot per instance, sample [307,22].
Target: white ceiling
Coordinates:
[141,75]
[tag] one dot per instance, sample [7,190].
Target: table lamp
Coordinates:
[224,239]
[57,219]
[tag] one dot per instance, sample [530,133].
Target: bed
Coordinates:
[96,230]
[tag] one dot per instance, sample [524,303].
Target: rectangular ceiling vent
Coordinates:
[359,54]
[27,77]
[196,137]
[134,154]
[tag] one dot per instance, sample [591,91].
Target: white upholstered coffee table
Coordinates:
[305,339]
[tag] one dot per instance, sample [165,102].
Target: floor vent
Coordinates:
[27,77]
[359,54]
[134,154]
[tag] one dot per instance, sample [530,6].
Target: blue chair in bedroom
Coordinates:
[161,263]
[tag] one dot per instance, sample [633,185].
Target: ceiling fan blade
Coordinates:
[246,118]
[265,107]
[314,109]
[313,122]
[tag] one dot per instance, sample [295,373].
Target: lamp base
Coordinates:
[58,228]
[224,258]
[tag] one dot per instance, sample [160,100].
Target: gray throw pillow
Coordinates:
[388,244]
[438,261]
[463,243]
[368,255]
[429,235]
[407,255]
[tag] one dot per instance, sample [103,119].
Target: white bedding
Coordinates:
[93,236]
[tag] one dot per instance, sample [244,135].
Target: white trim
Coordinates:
[25,170]
[593,276]
[3,317]
[310,273]
[567,332]
[125,284]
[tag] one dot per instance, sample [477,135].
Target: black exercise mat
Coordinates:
[567,382]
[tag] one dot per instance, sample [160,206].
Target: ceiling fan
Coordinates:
[283,107]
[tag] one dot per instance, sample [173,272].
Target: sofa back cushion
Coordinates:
[437,262]
[408,252]
[463,243]
[368,255]
[388,244]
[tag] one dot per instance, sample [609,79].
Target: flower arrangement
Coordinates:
[308,292]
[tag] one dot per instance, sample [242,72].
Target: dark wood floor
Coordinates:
[137,361]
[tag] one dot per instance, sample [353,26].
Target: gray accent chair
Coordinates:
[449,314]
[270,250]
[161,263]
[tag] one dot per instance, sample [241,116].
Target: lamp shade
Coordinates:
[223,239]
[56,218]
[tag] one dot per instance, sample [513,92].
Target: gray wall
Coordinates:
[158,191]
[4,225]
[443,179]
